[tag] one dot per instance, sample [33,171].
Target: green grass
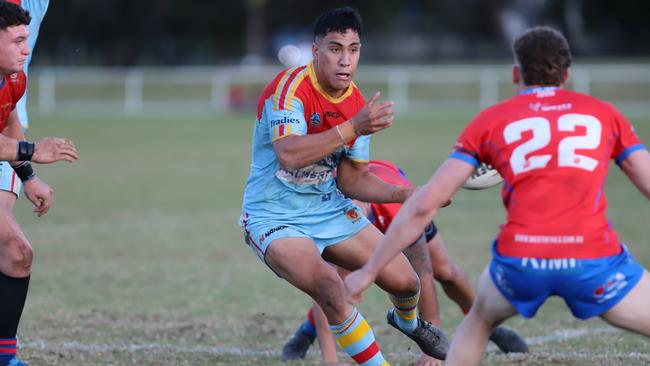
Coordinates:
[142,248]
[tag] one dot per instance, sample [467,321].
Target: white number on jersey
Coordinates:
[541,131]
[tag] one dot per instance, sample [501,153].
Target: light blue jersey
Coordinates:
[304,200]
[37,10]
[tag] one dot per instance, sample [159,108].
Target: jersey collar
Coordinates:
[538,89]
[317,86]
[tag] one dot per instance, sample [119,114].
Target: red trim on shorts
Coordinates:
[13,180]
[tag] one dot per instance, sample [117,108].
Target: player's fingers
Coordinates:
[374,99]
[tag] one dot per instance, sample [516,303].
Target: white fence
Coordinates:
[208,90]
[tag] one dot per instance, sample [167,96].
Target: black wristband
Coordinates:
[24,171]
[25,150]
[430,231]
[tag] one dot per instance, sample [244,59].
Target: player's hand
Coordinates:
[53,149]
[425,360]
[355,283]
[374,116]
[40,194]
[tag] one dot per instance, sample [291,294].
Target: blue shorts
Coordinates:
[589,287]
[324,229]
[9,181]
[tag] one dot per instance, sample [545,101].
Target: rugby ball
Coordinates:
[484,176]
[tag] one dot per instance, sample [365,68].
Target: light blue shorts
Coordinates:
[589,287]
[9,181]
[323,228]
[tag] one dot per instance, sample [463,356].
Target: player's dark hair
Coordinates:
[338,20]
[12,15]
[544,56]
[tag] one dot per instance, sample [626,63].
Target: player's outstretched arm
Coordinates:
[52,149]
[356,181]
[637,168]
[410,222]
[295,152]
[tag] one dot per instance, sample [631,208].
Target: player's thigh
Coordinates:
[397,277]
[489,303]
[297,260]
[633,311]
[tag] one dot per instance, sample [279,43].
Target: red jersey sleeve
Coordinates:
[470,145]
[626,140]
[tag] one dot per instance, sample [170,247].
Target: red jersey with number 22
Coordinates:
[552,147]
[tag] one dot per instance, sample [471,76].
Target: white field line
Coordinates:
[558,335]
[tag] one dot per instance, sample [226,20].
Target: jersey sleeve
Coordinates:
[288,121]
[360,150]
[467,147]
[626,140]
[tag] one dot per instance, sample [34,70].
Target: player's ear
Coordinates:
[516,74]
[314,50]
[565,77]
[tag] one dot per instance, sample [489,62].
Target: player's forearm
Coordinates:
[405,229]
[295,152]
[8,148]
[367,187]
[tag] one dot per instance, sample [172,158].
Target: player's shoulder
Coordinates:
[17,81]
[589,102]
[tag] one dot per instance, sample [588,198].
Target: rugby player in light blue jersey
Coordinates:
[313,122]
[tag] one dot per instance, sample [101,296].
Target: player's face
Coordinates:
[336,57]
[13,49]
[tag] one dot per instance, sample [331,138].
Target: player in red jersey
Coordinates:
[313,121]
[553,147]
[429,259]
[15,250]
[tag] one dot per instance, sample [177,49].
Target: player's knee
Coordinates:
[19,255]
[407,284]
[443,271]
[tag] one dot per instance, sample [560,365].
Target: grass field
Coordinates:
[140,262]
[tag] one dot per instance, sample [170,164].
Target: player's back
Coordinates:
[553,148]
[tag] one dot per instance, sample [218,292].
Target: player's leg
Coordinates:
[298,261]
[633,311]
[400,281]
[300,341]
[15,269]
[490,309]
[456,285]
[452,278]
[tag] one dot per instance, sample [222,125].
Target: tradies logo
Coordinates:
[284,120]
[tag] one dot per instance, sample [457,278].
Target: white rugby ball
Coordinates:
[484,176]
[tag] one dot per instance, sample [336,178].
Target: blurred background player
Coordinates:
[36,10]
[312,121]
[15,250]
[553,148]
[429,259]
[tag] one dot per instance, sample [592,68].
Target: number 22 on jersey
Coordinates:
[541,131]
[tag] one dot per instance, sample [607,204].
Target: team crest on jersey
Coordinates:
[352,214]
[315,119]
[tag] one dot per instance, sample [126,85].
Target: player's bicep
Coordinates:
[637,167]
[13,128]
[447,179]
